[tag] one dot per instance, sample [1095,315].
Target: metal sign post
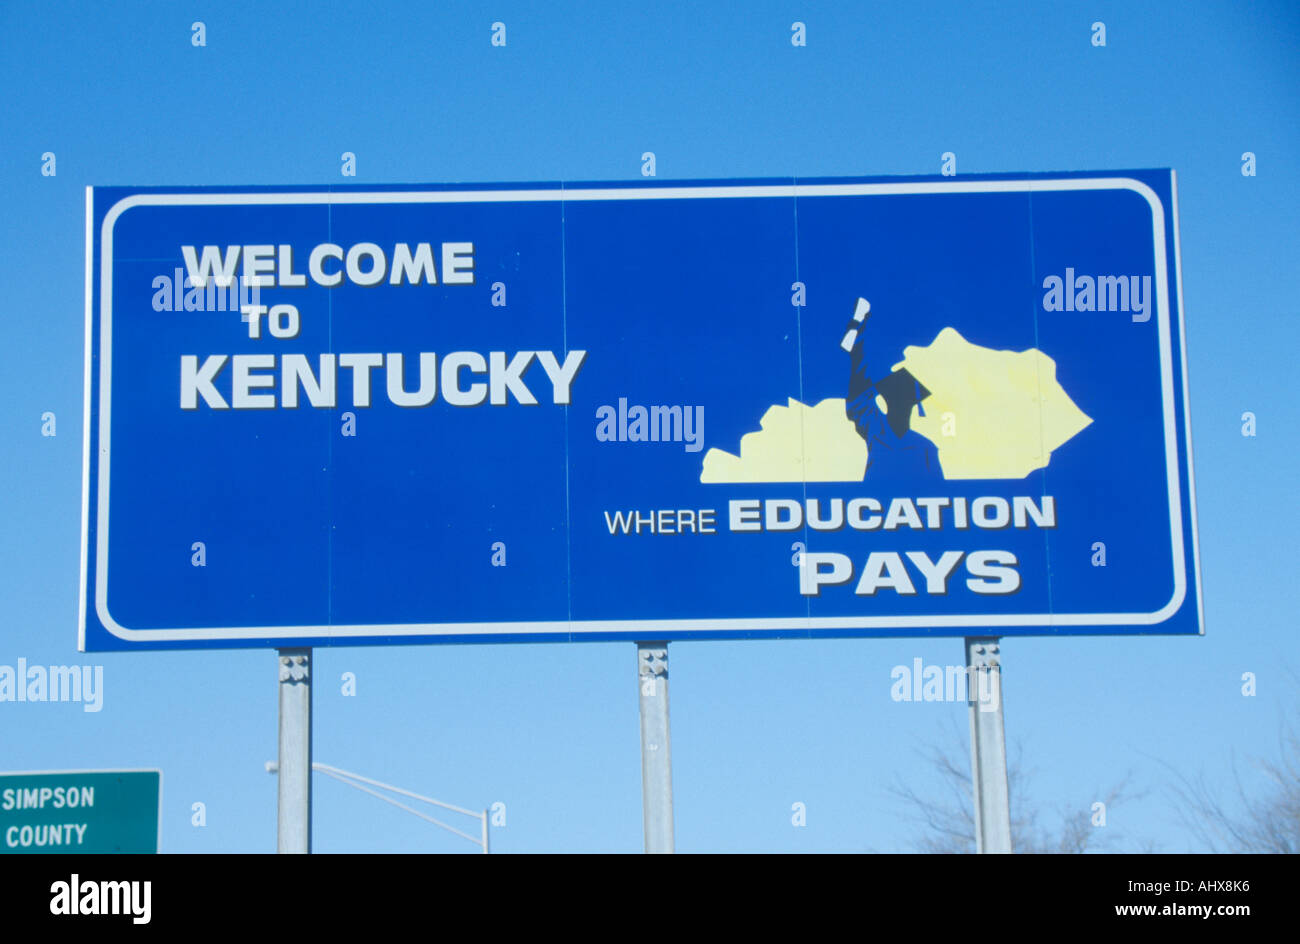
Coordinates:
[988,745]
[294,833]
[656,746]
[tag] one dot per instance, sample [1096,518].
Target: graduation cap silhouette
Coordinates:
[899,389]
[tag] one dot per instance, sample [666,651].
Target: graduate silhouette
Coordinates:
[892,446]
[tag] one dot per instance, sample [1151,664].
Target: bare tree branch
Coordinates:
[947,823]
[1268,822]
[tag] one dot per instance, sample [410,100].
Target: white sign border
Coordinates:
[642,628]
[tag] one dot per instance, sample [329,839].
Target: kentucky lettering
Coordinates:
[464,378]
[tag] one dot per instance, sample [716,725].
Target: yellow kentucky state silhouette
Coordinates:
[990,414]
[798,443]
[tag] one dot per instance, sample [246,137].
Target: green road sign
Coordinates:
[80,811]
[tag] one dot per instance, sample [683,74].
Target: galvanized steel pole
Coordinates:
[294,832]
[656,748]
[988,745]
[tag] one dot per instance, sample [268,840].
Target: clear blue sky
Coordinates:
[419,94]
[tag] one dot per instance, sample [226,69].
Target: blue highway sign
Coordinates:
[941,406]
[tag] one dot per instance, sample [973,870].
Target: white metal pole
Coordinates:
[988,745]
[485,832]
[656,747]
[294,832]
